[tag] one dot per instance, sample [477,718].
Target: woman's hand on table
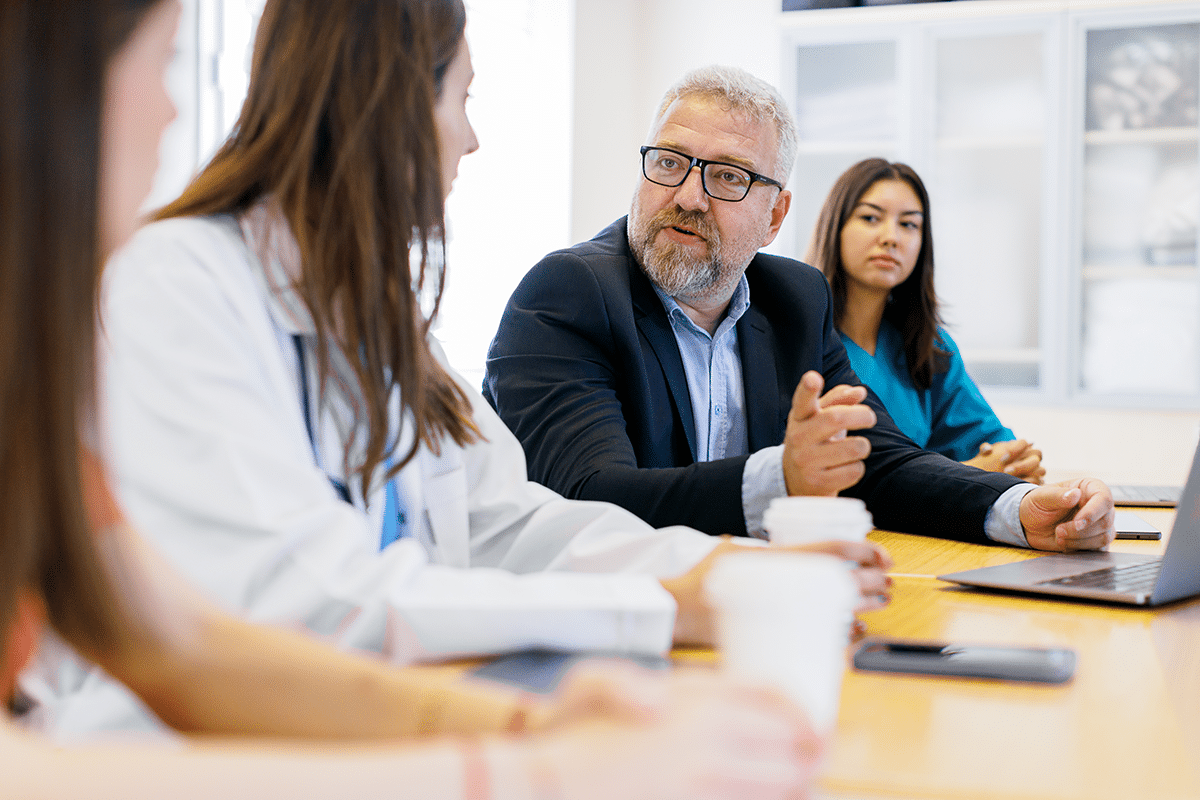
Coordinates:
[598,688]
[871,573]
[694,617]
[706,737]
[1018,458]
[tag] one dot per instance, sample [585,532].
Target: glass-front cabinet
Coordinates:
[1138,294]
[986,160]
[847,106]
[1060,153]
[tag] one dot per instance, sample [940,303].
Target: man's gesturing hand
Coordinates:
[818,456]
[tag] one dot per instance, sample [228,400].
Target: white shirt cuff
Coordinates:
[762,482]
[1003,523]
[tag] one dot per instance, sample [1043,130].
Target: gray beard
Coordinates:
[672,268]
[678,273]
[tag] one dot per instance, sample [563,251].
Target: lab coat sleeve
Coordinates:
[213,464]
[522,526]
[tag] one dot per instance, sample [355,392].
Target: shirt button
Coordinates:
[718,410]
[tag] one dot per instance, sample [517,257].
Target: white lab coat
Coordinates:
[206,440]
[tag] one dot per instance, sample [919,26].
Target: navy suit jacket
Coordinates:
[586,372]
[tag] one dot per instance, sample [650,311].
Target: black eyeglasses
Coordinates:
[721,181]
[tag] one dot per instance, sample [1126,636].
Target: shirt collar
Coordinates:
[739,304]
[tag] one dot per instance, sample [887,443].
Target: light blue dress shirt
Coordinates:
[714,377]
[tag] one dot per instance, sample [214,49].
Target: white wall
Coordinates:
[511,201]
[1119,446]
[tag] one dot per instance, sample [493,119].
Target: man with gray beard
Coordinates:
[669,367]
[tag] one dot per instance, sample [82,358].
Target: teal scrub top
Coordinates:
[950,417]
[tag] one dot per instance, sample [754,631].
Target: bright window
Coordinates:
[521,112]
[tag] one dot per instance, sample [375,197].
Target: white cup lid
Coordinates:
[818,511]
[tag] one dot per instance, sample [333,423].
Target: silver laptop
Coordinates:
[1116,577]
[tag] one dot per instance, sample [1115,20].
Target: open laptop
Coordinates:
[1149,496]
[1115,577]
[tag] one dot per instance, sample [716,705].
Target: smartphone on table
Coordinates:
[1034,664]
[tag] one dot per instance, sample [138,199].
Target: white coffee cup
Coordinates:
[805,520]
[784,619]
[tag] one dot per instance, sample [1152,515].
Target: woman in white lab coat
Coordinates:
[81,85]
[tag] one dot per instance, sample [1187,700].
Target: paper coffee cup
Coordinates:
[784,619]
[805,520]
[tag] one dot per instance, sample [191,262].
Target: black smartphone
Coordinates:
[540,671]
[1039,664]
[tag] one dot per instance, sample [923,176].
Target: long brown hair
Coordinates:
[338,127]
[913,307]
[53,57]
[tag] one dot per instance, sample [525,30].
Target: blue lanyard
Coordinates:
[395,517]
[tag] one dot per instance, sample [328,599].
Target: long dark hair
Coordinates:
[53,58]
[913,308]
[338,127]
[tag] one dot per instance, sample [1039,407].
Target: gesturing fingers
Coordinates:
[806,398]
[844,395]
[833,422]
[819,456]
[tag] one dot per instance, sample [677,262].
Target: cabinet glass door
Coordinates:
[986,189]
[1140,304]
[847,109]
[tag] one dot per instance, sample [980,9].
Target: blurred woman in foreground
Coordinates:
[81,85]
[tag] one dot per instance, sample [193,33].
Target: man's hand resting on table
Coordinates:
[1072,515]
[819,458]
[694,617]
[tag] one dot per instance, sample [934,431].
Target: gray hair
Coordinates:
[743,92]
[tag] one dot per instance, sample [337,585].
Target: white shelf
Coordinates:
[1142,136]
[1009,355]
[838,146]
[991,142]
[1098,272]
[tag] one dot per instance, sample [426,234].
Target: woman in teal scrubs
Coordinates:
[874,243]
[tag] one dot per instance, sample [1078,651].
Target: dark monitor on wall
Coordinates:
[803,5]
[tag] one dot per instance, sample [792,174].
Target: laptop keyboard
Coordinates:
[1132,578]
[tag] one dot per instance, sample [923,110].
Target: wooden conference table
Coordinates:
[1127,726]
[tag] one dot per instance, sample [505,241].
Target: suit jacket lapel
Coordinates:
[651,320]
[765,421]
